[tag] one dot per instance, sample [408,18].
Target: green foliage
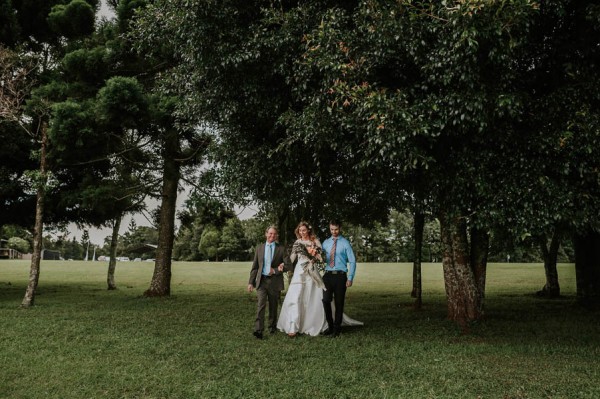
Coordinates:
[69,249]
[9,27]
[122,103]
[15,195]
[487,110]
[100,128]
[88,65]
[204,237]
[134,242]
[12,230]
[72,133]
[126,10]
[241,83]
[542,188]
[19,244]
[200,215]
[233,241]
[32,16]
[73,20]
[210,244]
[72,129]
[254,231]
[394,241]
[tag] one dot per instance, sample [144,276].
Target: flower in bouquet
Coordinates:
[319,260]
[311,251]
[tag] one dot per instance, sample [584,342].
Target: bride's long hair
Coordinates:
[311,234]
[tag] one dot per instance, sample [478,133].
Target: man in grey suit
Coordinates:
[266,276]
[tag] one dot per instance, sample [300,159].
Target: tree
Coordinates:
[210,243]
[393,104]
[15,153]
[19,244]
[425,90]
[70,249]
[42,37]
[10,29]
[242,86]
[233,241]
[109,105]
[549,247]
[95,142]
[561,72]
[181,140]
[136,240]
[199,214]
[254,232]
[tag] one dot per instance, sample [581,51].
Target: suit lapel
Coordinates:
[261,255]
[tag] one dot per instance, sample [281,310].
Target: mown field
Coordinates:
[82,341]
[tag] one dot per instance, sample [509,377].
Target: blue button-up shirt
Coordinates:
[344,256]
[268,259]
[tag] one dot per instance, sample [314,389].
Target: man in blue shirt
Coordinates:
[339,274]
[266,276]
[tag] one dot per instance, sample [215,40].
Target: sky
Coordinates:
[97,235]
[104,10]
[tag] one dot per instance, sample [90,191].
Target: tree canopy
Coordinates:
[319,108]
[480,113]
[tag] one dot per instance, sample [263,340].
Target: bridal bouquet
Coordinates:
[315,256]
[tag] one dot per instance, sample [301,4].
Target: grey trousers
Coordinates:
[266,293]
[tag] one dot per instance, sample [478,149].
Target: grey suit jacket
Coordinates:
[259,260]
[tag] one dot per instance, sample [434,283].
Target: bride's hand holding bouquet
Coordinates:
[313,262]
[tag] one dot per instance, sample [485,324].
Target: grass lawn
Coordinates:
[82,341]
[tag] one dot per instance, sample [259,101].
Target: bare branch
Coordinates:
[16,83]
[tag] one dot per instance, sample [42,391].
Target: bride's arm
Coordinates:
[294,254]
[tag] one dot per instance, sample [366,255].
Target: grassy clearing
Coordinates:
[82,341]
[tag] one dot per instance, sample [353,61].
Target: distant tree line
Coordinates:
[213,233]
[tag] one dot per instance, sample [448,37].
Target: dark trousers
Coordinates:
[265,293]
[335,285]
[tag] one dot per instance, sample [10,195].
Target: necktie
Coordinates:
[332,253]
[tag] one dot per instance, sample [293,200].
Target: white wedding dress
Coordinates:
[302,310]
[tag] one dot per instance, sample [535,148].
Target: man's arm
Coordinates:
[351,263]
[253,271]
[277,260]
[326,248]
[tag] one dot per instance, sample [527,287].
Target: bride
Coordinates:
[302,309]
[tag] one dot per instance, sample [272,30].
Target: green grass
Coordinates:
[82,341]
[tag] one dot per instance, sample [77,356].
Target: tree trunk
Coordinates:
[550,253]
[587,268]
[459,278]
[36,256]
[161,280]
[285,226]
[419,222]
[480,243]
[112,263]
